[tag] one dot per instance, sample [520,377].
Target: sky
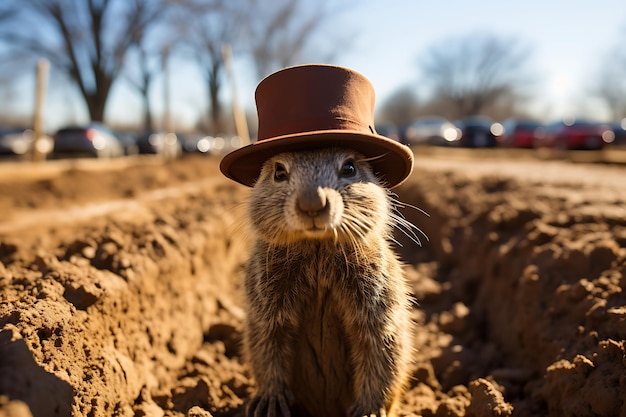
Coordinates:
[568,40]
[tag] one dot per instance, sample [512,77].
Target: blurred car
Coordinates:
[15,141]
[160,143]
[129,142]
[93,139]
[619,132]
[204,144]
[431,130]
[478,132]
[520,133]
[211,145]
[576,134]
[190,143]
[389,131]
[231,143]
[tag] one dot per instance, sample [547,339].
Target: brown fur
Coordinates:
[328,329]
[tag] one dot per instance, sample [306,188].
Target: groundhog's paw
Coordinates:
[269,406]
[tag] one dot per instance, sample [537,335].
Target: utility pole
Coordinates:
[167,121]
[43,67]
[240,118]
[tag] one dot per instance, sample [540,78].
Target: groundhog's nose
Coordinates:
[312,202]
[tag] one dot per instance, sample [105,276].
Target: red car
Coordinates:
[520,133]
[578,134]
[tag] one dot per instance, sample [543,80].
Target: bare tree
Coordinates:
[401,107]
[284,33]
[610,81]
[275,34]
[207,25]
[471,73]
[141,79]
[85,39]
[145,58]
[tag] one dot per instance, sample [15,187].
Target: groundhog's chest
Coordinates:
[322,371]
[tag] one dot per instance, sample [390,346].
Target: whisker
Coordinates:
[363,223]
[354,232]
[353,222]
[408,228]
[397,203]
[399,221]
[354,243]
[394,240]
[349,231]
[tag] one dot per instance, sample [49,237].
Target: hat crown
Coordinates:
[313,106]
[313,98]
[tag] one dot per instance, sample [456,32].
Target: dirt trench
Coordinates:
[120,293]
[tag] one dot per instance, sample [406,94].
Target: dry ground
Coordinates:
[120,289]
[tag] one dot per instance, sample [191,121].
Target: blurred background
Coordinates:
[109,78]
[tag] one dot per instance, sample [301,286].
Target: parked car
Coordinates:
[478,132]
[576,134]
[129,142]
[619,132]
[203,144]
[189,143]
[231,142]
[521,133]
[194,143]
[431,130]
[156,142]
[18,142]
[93,139]
[15,141]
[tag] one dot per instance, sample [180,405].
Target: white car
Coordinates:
[19,142]
[431,130]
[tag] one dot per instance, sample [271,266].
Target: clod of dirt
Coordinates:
[487,401]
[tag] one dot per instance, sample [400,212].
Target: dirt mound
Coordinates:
[120,294]
[535,280]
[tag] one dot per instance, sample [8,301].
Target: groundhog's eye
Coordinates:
[348,169]
[280,172]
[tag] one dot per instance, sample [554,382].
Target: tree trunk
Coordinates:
[95,104]
[214,102]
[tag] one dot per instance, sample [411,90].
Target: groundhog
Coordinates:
[328,329]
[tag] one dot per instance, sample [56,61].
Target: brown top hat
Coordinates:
[314,106]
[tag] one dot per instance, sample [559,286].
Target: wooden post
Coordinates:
[240,118]
[43,67]
[167,118]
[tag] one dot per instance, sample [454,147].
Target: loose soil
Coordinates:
[120,289]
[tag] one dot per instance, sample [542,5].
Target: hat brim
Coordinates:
[391,161]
